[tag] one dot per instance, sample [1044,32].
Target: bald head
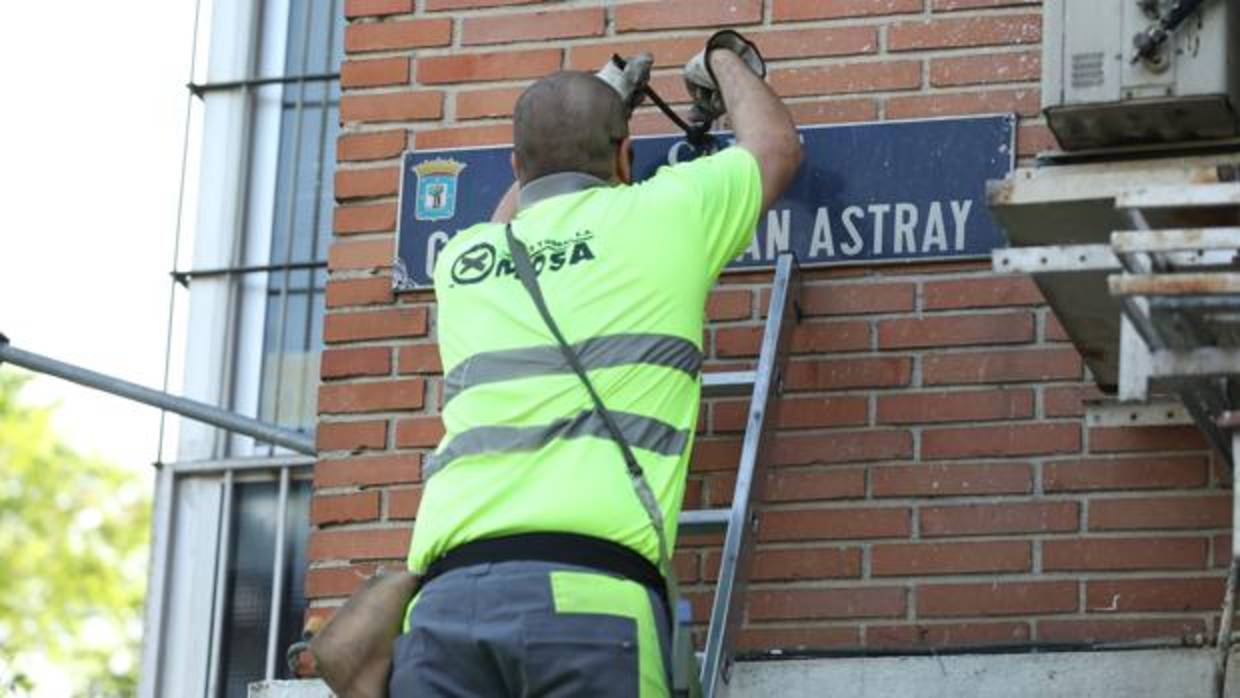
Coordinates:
[568,122]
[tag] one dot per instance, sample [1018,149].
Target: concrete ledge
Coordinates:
[1137,673]
[289,689]
[1162,673]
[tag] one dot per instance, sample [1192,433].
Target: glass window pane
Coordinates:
[248,590]
[301,219]
[249,578]
[296,544]
[290,367]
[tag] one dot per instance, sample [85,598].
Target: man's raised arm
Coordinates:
[760,121]
[727,77]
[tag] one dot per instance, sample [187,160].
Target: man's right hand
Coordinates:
[700,78]
[628,77]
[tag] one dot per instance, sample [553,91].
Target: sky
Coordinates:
[91,142]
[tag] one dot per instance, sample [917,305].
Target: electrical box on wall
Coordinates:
[1115,74]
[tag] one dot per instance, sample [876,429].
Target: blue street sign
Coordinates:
[885,191]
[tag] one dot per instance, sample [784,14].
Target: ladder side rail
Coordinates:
[728,606]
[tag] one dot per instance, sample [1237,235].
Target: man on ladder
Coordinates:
[570,329]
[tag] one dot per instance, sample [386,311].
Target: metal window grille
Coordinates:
[234,546]
[295,231]
[301,227]
[230,534]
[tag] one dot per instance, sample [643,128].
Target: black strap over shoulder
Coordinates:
[525,272]
[684,665]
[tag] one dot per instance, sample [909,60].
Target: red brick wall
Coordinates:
[933,484]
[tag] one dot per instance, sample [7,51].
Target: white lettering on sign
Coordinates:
[883,229]
[904,228]
[820,242]
[878,212]
[753,252]
[678,150]
[960,211]
[778,232]
[434,245]
[936,234]
[852,249]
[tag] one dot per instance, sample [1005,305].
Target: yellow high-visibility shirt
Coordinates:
[626,271]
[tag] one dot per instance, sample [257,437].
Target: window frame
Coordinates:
[232,277]
[193,524]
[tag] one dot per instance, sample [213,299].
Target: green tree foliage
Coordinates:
[73,550]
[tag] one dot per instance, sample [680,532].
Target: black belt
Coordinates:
[563,548]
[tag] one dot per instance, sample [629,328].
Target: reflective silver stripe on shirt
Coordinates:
[641,432]
[597,352]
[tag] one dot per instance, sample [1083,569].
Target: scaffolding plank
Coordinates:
[1176,196]
[1054,259]
[1079,259]
[1173,284]
[1175,240]
[1202,362]
[1162,412]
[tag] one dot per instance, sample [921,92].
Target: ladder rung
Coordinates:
[1173,284]
[697,522]
[1175,240]
[729,383]
[1225,194]
[1194,363]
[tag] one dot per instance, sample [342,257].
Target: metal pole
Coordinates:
[185,277]
[290,212]
[315,296]
[223,553]
[163,534]
[164,501]
[234,293]
[199,411]
[277,577]
[198,89]
[1229,596]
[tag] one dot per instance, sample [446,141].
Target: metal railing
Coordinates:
[199,411]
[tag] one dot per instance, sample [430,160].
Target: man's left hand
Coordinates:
[353,652]
[628,78]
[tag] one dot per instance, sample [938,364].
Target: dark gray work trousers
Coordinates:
[533,629]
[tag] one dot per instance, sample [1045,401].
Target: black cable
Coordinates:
[698,135]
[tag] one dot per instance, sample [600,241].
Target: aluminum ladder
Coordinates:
[739,523]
